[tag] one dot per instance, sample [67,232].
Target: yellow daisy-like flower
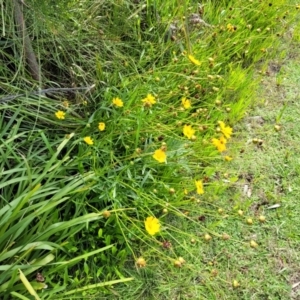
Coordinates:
[188,131]
[220,143]
[228,158]
[60,115]
[101,126]
[199,186]
[230,27]
[226,130]
[160,155]
[149,100]
[88,140]
[194,60]
[117,102]
[152,225]
[186,103]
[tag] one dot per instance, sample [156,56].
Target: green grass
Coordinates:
[262,180]
[75,211]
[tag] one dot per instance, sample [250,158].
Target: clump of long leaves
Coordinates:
[36,196]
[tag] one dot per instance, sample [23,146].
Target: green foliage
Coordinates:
[37,199]
[76,210]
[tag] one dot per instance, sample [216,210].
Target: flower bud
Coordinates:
[225,236]
[235,283]
[253,244]
[172,191]
[140,262]
[181,259]
[207,237]
[220,211]
[106,214]
[177,264]
[277,127]
[262,218]
[249,221]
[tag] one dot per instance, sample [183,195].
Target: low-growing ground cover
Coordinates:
[128,172]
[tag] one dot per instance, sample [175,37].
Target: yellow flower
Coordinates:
[188,131]
[186,103]
[149,100]
[152,225]
[160,155]
[194,60]
[88,140]
[220,144]
[117,102]
[199,186]
[228,158]
[101,126]
[230,27]
[60,115]
[226,130]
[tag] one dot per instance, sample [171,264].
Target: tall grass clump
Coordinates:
[137,101]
